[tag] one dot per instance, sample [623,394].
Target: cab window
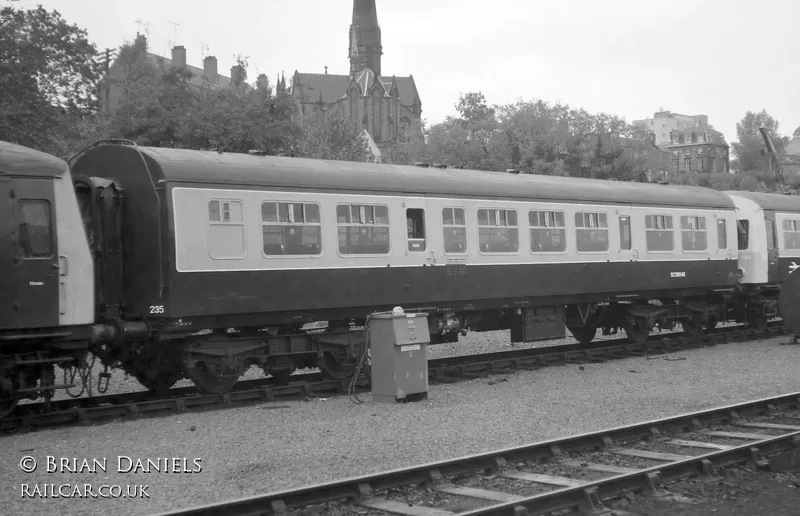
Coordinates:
[743,233]
[35,228]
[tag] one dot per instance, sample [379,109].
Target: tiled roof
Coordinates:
[334,87]
[198,73]
[331,87]
[715,137]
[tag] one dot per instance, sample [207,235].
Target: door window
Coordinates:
[415,223]
[35,228]
[770,234]
[624,233]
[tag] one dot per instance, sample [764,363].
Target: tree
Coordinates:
[333,137]
[48,77]
[409,152]
[749,147]
[158,107]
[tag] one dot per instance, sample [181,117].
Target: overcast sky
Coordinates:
[625,57]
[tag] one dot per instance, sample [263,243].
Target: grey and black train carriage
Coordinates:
[176,263]
[216,241]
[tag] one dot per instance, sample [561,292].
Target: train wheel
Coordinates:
[694,329]
[7,407]
[583,334]
[162,383]
[757,320]
[637,332]
[210,383]
[333,368]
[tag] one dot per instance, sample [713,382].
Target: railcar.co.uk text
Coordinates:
[120,464]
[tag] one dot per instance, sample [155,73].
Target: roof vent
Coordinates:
[512,171]
[421,164]
[440,165]
[257,153]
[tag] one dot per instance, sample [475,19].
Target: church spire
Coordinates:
[365,38]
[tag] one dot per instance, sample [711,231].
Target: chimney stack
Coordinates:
[237,75]
[179,56]
[140,43]
[210,68]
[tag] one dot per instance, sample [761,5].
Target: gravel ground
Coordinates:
[257,449]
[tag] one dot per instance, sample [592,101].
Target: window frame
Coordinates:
[743,229]
[531,227]
[262,224]
[51,229]
[694,218]
[629,219]
[454,225]
[794,228]
[667,216]
[576,228]
[223,223]
[724,223]
[478,226]
[388,227]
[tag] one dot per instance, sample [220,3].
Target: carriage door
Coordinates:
[773,270]
[416,233]
[8,283]
[35,258]
[627,248]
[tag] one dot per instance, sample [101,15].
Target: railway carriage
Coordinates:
[215,241]
[171,263]
[768,227]
[46,277]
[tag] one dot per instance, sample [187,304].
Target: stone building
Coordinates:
[699,149]
[387,107]
[664,122]
[111,92]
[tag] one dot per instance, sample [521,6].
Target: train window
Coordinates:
[497,231]
[415,224]
[35,228]
[722,234]
[363,228]
[743,233]
[658,229]
[290,228]
[693,233]
[226,229]
[771,234]
[454,228]
[791,234]
[624,233]
[591,232]
[548,233]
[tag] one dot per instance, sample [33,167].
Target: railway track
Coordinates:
[33,416]
[584,472]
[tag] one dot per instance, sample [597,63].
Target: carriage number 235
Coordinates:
[156,309]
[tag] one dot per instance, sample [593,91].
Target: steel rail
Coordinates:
[589,496]
[307,385]
[361,487]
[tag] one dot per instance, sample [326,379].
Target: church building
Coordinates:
[387,107]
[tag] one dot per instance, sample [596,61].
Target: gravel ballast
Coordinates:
[258,449]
